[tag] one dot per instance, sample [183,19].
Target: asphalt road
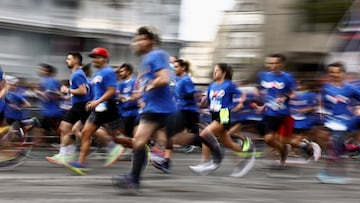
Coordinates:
[36,180]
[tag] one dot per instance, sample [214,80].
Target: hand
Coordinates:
[64,89]
[280,99]
[91,105]
[259,109]
[149,87]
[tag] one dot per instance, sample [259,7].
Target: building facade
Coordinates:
[43,31]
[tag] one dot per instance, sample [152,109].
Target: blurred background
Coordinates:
[239,32]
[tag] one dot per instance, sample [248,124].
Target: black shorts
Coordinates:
[182,120]
[76,113]
[161,119]
[273,123]
[50,123]
[109,118]
[129,124]
[215,116]
[300,130]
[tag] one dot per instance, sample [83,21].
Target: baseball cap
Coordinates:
[99,51]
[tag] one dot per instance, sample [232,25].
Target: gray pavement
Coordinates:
[39,181]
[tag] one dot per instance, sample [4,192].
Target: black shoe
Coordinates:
[126,182]
[163,165]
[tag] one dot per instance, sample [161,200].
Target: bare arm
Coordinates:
[3,88]
[81,90]
[162,78]
[109,93]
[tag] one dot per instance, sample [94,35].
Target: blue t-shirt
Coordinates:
[160,99]
[77,79]
[17,100]
[2,104]
[126,88]
[222,95]
[51,106]
[336,101]
[303,99]
[184,88]
[101,80]
[275,86]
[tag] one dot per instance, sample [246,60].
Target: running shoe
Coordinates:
[198,167]
[76,167]
[247,145]
[156,151]
[244,166]
[4,129]
[325,177]
[205,168]
[316,151]
[13,161]
[36,122]
[248,149]
[61,159]
[307,150]
[157,154]
[114,154]
[127,182]
[163,165]
[189,149]
[127,155]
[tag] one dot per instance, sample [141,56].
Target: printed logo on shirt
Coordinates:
[126,90]
[337,99]
[216,100]
[97,79]
[272,84]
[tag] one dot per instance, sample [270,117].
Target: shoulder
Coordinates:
[158,53]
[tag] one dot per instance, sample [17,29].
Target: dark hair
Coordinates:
[77,56]
[227,69]
[184,64]
[127,67]
[49,68]
[87,69]
[337,64]
[150,32]
[279,56]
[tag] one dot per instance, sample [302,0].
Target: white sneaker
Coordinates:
[316,151]
[200,166]
[205,168]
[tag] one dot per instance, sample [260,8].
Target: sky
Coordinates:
[200,18]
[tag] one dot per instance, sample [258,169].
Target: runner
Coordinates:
[50,97]
[103,111]
[128,108]
[277,88]
[79,91]
[186,119]
[154,84]
[302,108]
[336,97]
[220,96]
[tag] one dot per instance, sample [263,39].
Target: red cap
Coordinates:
[99,51]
